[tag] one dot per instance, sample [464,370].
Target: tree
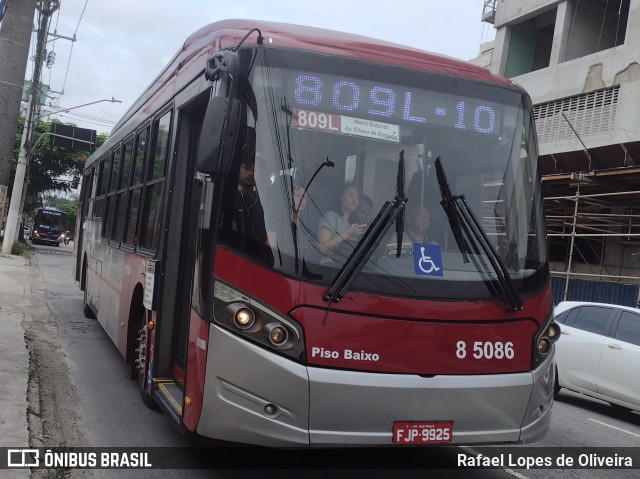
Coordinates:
[68,205]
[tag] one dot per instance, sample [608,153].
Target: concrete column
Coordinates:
[561,33]
[501,50]
[632,36]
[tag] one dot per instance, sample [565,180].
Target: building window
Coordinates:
[530,45]
[595,25]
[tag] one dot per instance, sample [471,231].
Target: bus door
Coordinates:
[179,256]
[87,185]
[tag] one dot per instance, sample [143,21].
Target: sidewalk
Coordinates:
[15,301]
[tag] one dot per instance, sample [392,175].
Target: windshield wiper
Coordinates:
[468,233]
[400,193]
[370,241]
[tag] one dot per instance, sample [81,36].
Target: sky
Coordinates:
[122,45]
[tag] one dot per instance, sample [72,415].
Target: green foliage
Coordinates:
[20,249]
[68,205]
[49,166]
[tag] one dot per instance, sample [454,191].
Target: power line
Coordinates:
[90,117]
[64,83]
[71,120]
[61,109]
[81,15]
[91,121]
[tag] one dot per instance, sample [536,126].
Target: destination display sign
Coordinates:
[345,125]
[387,104]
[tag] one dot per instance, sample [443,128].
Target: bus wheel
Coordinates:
[139,367]
[88,312]
[556,385]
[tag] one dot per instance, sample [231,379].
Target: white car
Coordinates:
[598,353]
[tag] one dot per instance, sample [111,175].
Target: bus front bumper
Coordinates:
[256,397]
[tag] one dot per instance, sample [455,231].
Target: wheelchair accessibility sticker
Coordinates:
[427,259]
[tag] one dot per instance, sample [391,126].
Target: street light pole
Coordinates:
[60,110]
[12,225]
[46,9]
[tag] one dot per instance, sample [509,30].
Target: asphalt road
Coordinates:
[111,414]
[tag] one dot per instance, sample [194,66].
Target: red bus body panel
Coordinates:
[407,335]
[196,368]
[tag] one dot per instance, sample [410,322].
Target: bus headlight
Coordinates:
[245,316]
[278,334]
[544,345]
[544,339]
[553,331]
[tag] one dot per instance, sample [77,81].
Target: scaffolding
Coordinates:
[595,216]
[489,11]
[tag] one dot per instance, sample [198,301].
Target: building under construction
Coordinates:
[578,59]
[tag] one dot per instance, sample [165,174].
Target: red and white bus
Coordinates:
[243,323]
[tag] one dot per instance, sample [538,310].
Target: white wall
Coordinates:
[615,66]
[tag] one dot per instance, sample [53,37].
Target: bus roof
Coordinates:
[49,208]
[189,61]
[228,32]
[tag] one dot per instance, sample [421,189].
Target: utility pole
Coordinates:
[15,36]
[46,8]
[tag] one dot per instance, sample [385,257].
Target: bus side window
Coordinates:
[135,193]
[88,192]
[243,225]
[102,184]
[153,204]
[110,208]
[123,194]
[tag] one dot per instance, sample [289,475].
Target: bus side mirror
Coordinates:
[218,136]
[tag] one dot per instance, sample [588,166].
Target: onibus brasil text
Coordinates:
[95,459]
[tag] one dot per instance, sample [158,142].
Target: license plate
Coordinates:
[422,432]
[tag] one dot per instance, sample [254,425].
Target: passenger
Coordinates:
[417,223]
[248,219]
[363,211]
[334,227]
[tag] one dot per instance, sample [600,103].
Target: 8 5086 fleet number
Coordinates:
[485,350]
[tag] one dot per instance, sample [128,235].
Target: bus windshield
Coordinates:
[50,220]
[326,135]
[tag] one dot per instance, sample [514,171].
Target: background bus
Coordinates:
[199,246]
[49,226]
